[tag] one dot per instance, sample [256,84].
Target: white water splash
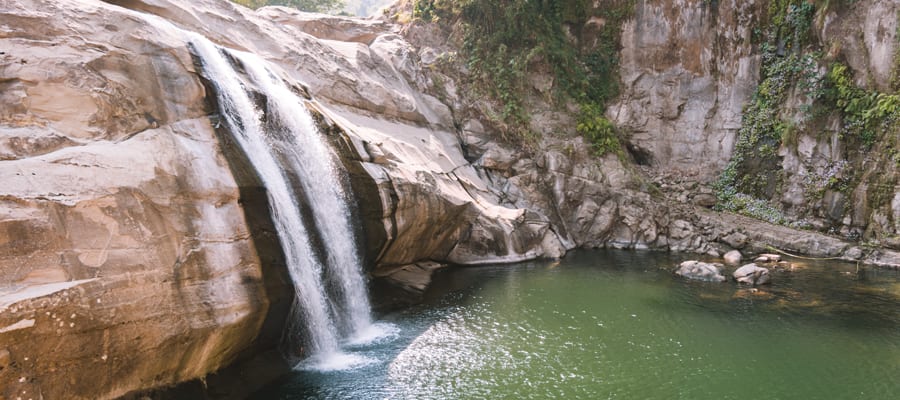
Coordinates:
[334,361]
[243,119]
[292,147]
[373,334]
[308,157]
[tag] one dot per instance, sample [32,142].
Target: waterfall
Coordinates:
[331,302]
[309,158]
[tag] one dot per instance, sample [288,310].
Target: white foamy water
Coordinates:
[379,332]
[334,361]
[243,119]
[290,146]
[286,148]
[306,155]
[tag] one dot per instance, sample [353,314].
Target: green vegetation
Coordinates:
[867,114]
[790,22]
[598,130]
[895,73]
[756,208]
[755,163]
[429,10]
[792,67]
[323,6]
[505,40]
[754,171]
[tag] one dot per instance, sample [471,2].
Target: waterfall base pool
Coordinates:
[616,324]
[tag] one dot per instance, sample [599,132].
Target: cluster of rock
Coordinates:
[755,273]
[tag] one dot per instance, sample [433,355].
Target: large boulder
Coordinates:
[700,271]
[752,274]
[413,278]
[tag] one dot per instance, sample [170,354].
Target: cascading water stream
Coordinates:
[331,303]
[244,121]
[295,141]
[309,158]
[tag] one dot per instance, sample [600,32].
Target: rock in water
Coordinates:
[413,278]
[767,258]
[701,271]
[733,257]
[752,274]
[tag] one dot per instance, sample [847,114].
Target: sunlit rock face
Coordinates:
[126,261]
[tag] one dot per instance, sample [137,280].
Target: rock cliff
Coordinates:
[688,68]
[135,247]
[127,260]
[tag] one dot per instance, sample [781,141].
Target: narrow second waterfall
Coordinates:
[331,305]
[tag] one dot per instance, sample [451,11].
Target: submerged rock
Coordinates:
[767,258]
[701,271]
[752,274]
[753,294]
[784,265]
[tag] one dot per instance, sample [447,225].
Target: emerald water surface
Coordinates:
[615,324]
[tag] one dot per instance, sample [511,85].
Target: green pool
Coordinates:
[619,325]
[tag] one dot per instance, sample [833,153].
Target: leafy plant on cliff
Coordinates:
[792,69]
[598,130]
[432,10]
[790,22]
[867,114]
[752,169]
[895,72]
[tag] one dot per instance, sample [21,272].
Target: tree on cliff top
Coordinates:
[322,6]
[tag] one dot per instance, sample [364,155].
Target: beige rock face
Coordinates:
[689,66]
[687,69]
[864,37]
[126,261]
[867,34]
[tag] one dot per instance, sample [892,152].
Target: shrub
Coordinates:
[598,130]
